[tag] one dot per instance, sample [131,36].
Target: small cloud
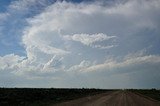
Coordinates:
[104,47]
[90,39]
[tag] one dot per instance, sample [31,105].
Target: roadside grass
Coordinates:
[152,93]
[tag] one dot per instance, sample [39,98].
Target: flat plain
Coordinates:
[78,97]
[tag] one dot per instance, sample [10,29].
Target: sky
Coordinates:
[80,43]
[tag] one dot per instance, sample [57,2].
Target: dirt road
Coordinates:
[117,98]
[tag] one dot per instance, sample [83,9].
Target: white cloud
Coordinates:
[89,40]
[9,61]
[103,47]
[53,64]
[84,64]
[128,65]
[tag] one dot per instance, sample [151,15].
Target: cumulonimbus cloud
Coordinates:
[50,42]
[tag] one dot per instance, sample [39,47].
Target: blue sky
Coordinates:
[97,43]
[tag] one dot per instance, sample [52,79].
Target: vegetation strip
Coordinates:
[42,96]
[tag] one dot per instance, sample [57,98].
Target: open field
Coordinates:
[41,96]
[77,97]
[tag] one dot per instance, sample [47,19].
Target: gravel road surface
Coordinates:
[116,98]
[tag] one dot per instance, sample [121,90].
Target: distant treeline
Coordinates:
[42,96]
